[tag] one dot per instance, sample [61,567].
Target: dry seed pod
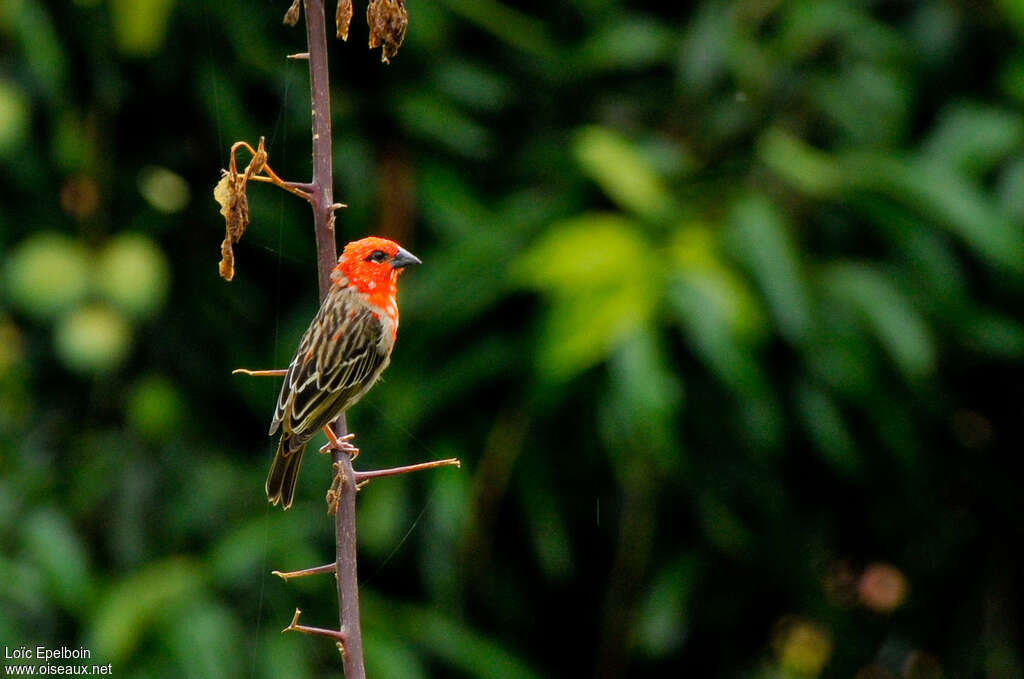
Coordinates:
[388,21]
[343,18]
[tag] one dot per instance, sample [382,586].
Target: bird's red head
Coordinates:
[372,265]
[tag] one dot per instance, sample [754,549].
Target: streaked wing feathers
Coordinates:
[339,357]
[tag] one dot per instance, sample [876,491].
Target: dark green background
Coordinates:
[720,307]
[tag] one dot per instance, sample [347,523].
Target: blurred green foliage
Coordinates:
[720,307]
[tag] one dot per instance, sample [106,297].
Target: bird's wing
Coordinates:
[339,357]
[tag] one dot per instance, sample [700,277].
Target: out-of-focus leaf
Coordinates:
[974,138]
[628,42]
[586,252]
[15,116]
[383,515]
[391,658]
[46,274]
[947,198]
[129,607]
[445,516]
[60,555]
[437,120]
[643,402]
[39,44]
[868,103]
[809,170]
[764,241]
[132,272]
[901,331]
[164,189]
[664,617]
[588,266]
[140,26]
[825,423]
[155,407]
[622,172]
[512,26]
[548,531]
[474,85]
[581,332]
[93,339]
[703,57]
[995,335]
[1013,10]
[1010,189]
[723,527]
[443,637]
[201,635]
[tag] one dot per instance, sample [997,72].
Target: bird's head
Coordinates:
[372,265]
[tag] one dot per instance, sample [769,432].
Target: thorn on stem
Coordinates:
[294,626]
[316,570]
[276,372]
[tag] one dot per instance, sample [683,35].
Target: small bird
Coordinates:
[341,355]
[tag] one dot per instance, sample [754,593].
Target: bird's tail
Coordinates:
[284,473]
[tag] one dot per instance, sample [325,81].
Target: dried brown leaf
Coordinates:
[291,17]
[227,260]
[234,206]
[343,18]
[388,21]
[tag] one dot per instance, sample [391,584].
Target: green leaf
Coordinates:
[897,325]
[663,620]
[763,240]
[643,402]
[974,138]
[587,252]
[130,606]
[945,196]
[46,274]
[824,421]
[201,635]
[812,171]
[626,42]
[140,25]
[625,175]
[58,552]
[460,646]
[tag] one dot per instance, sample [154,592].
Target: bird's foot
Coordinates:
[336,443]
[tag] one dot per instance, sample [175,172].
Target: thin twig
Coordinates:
[276,372]
[316,570]
[337,635]
[364,477]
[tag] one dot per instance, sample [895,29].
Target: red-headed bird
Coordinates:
[341,355]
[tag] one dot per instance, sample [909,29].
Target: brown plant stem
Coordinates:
[365,477]
[316,570]
[322,200]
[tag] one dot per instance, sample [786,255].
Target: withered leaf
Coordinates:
[388,21]
[291,17]
[343,18]
[234,206]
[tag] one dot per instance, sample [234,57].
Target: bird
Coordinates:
[341,355]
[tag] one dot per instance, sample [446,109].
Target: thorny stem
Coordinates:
[322,200]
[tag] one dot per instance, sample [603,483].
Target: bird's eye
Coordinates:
[377,256]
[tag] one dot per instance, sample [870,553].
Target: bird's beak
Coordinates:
[404,258]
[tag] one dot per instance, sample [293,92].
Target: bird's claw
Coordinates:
[334,442]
